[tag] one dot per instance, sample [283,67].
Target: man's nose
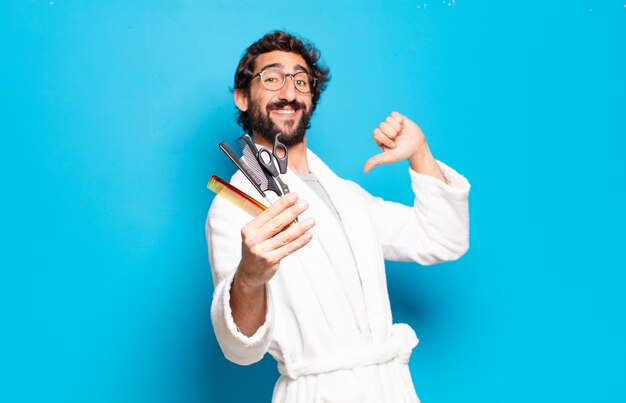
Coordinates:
[288,91]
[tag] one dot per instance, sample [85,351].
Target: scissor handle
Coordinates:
[266,160]
[282,158]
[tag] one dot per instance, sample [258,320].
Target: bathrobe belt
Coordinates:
[397,348]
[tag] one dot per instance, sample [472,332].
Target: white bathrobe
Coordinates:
[329,323]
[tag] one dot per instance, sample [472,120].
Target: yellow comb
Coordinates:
[235,196]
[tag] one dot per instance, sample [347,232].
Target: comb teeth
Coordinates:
[236,196]
[247,149]
[241,143]
[249,157]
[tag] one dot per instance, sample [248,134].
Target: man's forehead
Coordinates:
[283,60]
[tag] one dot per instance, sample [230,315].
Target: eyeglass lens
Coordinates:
[274,79]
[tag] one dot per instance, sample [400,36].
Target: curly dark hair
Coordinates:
[286,42]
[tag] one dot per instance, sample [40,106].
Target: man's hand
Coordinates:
[266,240]
[399,138]
[270,237]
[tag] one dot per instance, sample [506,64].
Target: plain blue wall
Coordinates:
[110,116]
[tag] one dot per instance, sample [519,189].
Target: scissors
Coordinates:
[279,154]
[258,166]
[251,156]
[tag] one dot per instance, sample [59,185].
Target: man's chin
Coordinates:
[287,133]
[286,126]
[292,129]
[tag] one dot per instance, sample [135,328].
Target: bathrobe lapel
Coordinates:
[336,284]
[364,245]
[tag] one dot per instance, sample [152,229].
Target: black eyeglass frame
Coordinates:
[312,82]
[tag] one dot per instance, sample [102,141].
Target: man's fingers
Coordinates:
[388,130]
[382,140]
[283,238]
[290,234]
[398,117]
[301,237]
[283,219]
[276,208]
[395,124]
[378,159]
[271,221]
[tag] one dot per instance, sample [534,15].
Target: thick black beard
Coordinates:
[262,125]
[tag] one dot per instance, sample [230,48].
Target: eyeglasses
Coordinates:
[274,79]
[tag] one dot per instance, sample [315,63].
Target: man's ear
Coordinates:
[241,99]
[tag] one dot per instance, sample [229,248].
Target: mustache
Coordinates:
[281,104]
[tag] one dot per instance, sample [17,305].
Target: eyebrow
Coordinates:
[297,67]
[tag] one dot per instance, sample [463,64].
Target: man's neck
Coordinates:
[298,161]
[297,158]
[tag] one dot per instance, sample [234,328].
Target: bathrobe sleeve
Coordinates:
[223,233]
[435,229]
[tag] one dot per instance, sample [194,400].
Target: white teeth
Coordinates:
[285,111]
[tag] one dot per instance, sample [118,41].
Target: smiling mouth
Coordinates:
[285,109]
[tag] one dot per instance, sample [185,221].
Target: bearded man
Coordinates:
[313,292]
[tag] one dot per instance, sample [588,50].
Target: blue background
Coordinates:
[110,116]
